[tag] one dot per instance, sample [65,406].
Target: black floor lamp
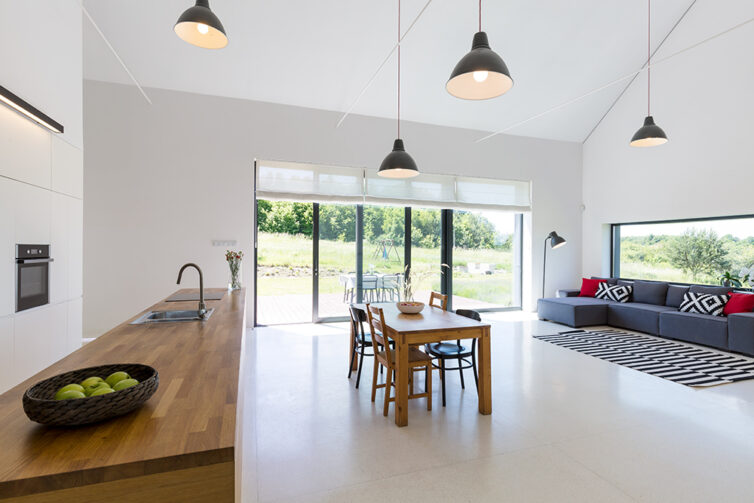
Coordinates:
[555,242]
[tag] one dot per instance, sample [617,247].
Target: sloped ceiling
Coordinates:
[320,54]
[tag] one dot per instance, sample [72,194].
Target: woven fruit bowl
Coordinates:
[40,404]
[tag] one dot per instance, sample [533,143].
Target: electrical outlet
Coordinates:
[226,243]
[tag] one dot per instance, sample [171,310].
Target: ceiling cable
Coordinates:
[617,81]
[382,65]
[112,49]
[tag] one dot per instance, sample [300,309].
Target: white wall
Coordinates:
[164,180]
[704,101]
[41,180]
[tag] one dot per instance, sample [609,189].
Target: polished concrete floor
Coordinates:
[565,427]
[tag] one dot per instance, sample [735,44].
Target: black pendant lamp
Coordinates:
[398,164]
[481,74]
[199,26]
[650,134]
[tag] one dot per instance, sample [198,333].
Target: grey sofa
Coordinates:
[653,309]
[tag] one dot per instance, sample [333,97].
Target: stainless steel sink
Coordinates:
[171,316]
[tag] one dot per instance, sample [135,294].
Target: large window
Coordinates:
[688,251]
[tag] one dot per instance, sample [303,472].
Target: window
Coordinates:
[486,265]
[687,251]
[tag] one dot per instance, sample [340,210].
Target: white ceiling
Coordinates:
[321,53]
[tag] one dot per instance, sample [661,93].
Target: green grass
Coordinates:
[285,263]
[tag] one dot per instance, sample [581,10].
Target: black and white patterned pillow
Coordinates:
[703,303]
[618,293]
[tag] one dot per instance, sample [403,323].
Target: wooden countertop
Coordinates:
[190,421]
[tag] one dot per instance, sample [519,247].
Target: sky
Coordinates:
[739,227]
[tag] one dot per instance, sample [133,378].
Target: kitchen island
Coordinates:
[180,446]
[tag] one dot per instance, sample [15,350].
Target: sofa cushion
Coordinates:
[741,333]
[703,303]
[636,316]
[589,286]
[650,292]
[574,311]
[675,295]
[711,290]
[697,328]
[624,282]
[617,293]
[739,303]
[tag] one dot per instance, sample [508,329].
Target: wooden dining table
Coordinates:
[431,325]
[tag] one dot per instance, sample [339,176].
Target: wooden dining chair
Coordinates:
[361,341]
[385,356]
[438,300]
[465,357]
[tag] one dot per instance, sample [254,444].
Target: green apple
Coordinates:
[69,387]
[116,377]
[71,394]
[91,381]
[125,383]
[91,389]
[102,390]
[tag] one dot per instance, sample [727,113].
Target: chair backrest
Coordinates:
[369,281]
[376,319]
[438,300]
[357,318]
[391,281]
[469,313]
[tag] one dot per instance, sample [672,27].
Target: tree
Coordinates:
[699,253]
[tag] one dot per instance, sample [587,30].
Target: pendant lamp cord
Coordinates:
[399,69]
[649,67]
[480,15]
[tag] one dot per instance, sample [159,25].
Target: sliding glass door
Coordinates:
[284,262]
[334,259]
[486,260]
[314,259]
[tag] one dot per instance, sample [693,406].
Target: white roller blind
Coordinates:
[309,182]
[424,190]
[488,192]
[279,180]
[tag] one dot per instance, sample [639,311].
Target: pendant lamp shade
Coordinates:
[649,135]
[199,26]
[481,74]
[398,163]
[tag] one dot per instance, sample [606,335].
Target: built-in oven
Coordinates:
[32,276]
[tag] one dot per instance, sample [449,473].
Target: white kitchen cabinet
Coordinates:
[75,248]
[7,247]
[33,211]
[67,169]
[74,337]
[24,149]
[7,374]
[59,248]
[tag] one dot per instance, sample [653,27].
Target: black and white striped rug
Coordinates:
[671,360]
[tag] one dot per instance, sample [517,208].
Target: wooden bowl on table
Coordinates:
[40,405]
[410,307]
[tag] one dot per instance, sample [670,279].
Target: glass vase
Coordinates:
[234,276]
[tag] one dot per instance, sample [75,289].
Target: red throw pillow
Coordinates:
[739,303]
[589,286]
